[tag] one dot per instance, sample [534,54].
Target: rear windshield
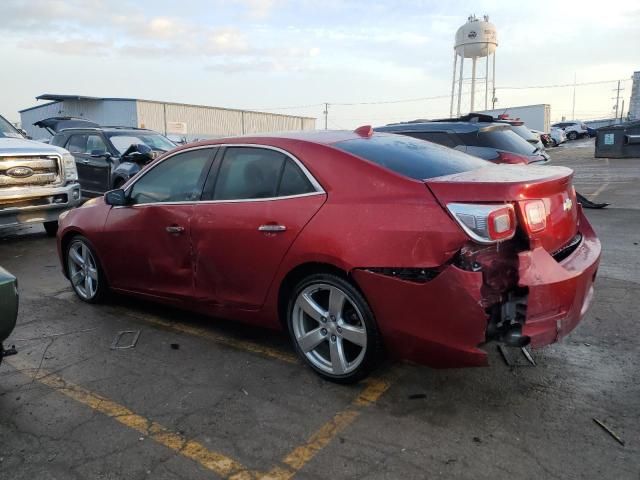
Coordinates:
[500,139]
[411,157]
[524,132]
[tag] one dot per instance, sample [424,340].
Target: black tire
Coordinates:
[51,228]
[102,289]
[368,355]
[572,135]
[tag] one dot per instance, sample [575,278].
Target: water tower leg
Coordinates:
[460,81]
[473,83]
[453,81]
[493,82]
[486,85]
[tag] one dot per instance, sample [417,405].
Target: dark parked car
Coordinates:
[106,157]
[493,141]
[350,241]
[8,308]
[516,125]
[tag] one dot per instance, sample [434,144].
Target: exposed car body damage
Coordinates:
[445,321]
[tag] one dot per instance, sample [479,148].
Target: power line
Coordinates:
[559,85]
[435,97]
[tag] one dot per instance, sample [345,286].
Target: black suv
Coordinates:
[106,157]
[476,135]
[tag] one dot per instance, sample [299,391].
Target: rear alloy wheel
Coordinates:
[333,328]
[51,228]
[84,271]
[572,135]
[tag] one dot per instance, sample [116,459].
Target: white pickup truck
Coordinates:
[37,181]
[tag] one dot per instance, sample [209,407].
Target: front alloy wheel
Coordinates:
[333,328]
[84,271]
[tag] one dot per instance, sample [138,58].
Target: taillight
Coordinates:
[485,223]
[511,158]
[534,215]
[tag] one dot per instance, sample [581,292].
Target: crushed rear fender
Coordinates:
[439,323]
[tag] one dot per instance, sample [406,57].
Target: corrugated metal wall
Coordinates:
[200,121]
[211,122]
[104,112]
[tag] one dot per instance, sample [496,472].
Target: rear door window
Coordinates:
[248,173]
[411,157]
[293,181]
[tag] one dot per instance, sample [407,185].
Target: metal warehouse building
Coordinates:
[173,119]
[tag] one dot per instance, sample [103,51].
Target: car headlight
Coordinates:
[69,167]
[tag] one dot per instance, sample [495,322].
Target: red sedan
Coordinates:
[354,242]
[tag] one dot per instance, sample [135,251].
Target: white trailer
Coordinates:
[536,117]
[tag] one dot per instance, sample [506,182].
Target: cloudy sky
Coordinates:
[274,54]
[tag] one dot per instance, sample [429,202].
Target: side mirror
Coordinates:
[115,198]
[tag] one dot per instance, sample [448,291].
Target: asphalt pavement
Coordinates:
[204,398]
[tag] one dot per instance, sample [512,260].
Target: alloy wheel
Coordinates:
[329,329]
[83,270]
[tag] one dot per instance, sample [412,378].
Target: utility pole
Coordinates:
[573,109]
[326,115]
[622,111]
[617,90]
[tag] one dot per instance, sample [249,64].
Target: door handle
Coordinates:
[175,229]
[85,160]
[272,228]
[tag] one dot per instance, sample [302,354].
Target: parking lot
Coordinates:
[203,398]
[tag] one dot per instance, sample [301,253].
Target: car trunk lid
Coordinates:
[517,184]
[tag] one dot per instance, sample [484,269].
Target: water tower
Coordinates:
[475,39]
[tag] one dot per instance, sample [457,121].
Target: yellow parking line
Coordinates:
[216,462]
[301,455]
[245,345]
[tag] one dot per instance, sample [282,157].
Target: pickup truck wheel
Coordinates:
[51,228]
[84,271]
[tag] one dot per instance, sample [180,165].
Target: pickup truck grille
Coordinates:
[29,171]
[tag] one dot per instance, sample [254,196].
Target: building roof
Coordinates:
[54,97]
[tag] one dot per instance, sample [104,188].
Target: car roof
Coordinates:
[442,126]
[132,130]
[324,137]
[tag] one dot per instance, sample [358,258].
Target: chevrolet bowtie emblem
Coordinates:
[567,205]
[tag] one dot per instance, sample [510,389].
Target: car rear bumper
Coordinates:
[443,322]
[559,292]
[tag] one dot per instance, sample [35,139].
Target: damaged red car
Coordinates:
[354,242]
